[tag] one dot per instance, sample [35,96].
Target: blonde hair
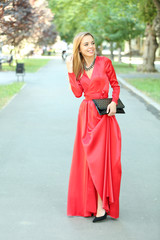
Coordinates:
[78,59]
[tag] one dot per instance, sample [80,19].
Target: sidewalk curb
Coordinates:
[139,93]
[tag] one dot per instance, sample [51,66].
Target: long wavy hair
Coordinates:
[78,59]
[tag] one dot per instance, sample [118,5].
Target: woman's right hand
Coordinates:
[69,62]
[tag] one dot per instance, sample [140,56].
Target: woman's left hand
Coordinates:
[111,109]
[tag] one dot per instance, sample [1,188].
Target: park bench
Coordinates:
[20,70]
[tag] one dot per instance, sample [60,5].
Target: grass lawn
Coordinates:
[124,68]
[31,64]
[150,86]
[8,91]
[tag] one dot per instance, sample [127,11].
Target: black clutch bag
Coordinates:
[102,104]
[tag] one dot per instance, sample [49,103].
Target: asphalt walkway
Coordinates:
[7,77]
[37,132]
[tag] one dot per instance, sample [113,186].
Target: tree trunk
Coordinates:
[150,48]
[99,50]
[130,52]
[111,50]
[119,55]
[151,45]
[156,22]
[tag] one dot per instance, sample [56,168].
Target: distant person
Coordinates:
[64,55]
[44,49]
[64,50]
[10,60]
[95,176]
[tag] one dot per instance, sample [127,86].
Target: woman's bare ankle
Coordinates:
[100,212]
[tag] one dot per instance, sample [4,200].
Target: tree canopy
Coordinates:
[26,19]
[111,20]
[106,19]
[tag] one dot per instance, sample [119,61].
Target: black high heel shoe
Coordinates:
[97,219]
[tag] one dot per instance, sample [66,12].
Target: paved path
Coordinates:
[7,77]
[37,132]
[10,77]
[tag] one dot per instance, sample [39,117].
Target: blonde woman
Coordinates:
[95,175]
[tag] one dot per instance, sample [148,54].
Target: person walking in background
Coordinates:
[95,175]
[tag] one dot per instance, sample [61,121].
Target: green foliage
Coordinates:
[105,19]
[146,10]
[68,16]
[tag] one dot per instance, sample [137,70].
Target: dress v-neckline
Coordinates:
[92,71]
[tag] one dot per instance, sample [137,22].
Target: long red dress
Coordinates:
[96,161]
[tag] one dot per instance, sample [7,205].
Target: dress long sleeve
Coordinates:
[113,80]
[76,86]
[96,160]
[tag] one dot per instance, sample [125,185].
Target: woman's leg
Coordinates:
[100,210]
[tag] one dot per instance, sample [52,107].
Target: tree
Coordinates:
[23,20]
[149,12]
[114,26]
[98,17]
[68,16]
[43,29]
[16,22]
[48,36]
[102,18]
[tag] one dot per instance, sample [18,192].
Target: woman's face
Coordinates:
[87,46]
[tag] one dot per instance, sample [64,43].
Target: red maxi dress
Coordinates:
[96,161]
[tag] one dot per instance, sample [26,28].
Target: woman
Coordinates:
[95,175]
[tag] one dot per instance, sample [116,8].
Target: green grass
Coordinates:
[31,64]
[8,91]
[150,86]
[124,68]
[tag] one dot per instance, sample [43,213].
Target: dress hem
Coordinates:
[79,215]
